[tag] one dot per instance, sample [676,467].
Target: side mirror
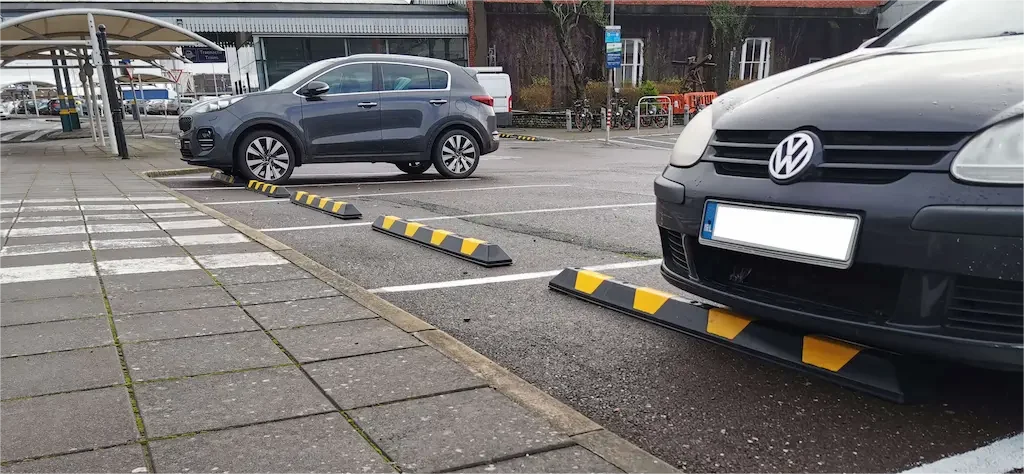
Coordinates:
[314,89]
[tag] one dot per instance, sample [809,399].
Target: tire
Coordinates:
[414,167]
[265,155]
[456,154]
[588,122]
[627,120]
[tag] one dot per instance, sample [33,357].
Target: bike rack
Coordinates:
[658,99]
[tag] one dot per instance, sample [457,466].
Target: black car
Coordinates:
[875,197]
[411,111]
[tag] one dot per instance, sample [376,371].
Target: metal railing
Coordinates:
[654,111]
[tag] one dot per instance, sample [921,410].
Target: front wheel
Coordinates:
[588,122]
[414,167]
[266,156]
[627,120]
[457,154]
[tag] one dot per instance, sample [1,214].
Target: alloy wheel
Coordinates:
[458,153]
[267,158]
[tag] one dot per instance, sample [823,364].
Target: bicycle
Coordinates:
[582,117]
[655,115]
[625,117]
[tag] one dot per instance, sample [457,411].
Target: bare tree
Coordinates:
[567,16]
[729,27]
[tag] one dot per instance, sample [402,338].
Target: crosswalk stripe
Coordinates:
[15,136]
[169,205]
[193,224]
[50,201]
[152,198]
[160,215]
[134,266]
[209,239]
[235,260]
[108,207]
[38,231]
[102,199]
[113,217]
[50,219]
[35,249]
[48,208]
[116,244]
[58,271]
[35,135]
[140,227]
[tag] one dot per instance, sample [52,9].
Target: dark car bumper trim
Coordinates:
[880,373]
[1000,221]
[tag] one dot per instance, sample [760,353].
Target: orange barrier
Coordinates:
[695,100]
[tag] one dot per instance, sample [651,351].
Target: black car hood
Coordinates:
[953,87]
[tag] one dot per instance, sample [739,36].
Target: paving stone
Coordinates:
[66,422]
[319,443]
[237,276]
[217,401]
[51,309]
[454,430]
[571,459]
[59,372]
[389,376]
[174,299]
[56,336]
[125,235]
[220,249]
[255,293]
[82,256]
[327,341]
[150,252]
[201,355]
[305,312]
[33,290]
[200,231]
[185,323]
[45,239]
[157,281]
[124,459]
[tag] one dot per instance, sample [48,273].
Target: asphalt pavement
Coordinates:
[551,205]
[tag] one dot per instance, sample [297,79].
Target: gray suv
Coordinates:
[411,111]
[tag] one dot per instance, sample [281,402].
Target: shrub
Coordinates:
[736,83]
[672,85]
[541,80]
[536,97]
[597,94]
[630,94]
[648,88]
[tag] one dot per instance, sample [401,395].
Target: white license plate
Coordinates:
[803,236]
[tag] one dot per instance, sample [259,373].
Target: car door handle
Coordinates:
[367,105]
[438,102]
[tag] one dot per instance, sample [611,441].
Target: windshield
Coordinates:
[296,77]
[955,20]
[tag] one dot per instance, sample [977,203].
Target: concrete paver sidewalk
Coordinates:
[139,334]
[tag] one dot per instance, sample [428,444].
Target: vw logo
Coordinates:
[793,156]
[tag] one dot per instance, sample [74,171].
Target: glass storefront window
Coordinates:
[367,45]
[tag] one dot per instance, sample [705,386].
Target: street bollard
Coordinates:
[686,114]
[568,120]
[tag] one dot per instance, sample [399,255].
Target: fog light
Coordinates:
[205,138]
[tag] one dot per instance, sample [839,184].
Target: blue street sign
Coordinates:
[203,55]
[613,55]
[613,34]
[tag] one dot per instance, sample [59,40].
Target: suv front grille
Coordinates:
[986,305]
[800,286]
[849,157]
[185,123]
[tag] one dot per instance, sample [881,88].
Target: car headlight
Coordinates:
[993,156]
[215,105]
[695,137]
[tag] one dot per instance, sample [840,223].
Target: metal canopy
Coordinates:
[144,79]
[131,35]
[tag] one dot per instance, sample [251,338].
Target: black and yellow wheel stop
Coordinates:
[267,189]
[340,209]
[222,177]
[477,251]
[884,374]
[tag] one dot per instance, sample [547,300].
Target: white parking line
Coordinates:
[133,266]
[209,239]
[462,216]
[365,183]
[508,278]
[56,271]
[140,227]
[38,231]
[193,224]
[235,260]
[36,249]
[1001,456]
[399,193]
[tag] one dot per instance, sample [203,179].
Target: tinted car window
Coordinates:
[438,79]
[349,79]
[400,77]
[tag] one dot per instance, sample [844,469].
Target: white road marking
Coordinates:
[48,208]
[365,183]
[108,207]
[117,244]
[234,260]
[209,239]
[10,211]
[508,278]
[497,158]
[160,215]
[9,202]
[57,271]
[37,231]
[1001,456]
[151,198]
[133,266]
[631,143]
[169,205]
[50,219]
[50,201]
[348,196]
[486,214]
[35,249]
[35,136]
[116,217]
[653,141]
[140,227]
[102,199]
[193,224]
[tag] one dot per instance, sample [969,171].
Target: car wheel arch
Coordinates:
[451,125]
[285,131]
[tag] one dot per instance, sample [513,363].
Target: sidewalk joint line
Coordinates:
[497,459]
[78,318]
[62,392]
[57,455]
[483,384]
[189,434]
[15,356]
[207,374]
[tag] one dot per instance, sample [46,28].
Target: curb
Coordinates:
[175,172]
[528,138]
[580,429]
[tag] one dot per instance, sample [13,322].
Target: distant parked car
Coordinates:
[156,107]
[177,106]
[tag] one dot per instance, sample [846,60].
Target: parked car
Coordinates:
[53,107]
[156,107]
[5,113]
[411,111]
[177,106]
[499,86]
[873,197]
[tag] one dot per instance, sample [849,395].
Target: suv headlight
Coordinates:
[993,156]
[213,105]
[693,140]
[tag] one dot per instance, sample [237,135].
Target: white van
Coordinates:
[499,86]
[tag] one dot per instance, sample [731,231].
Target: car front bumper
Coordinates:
[206,139]
[928,278]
